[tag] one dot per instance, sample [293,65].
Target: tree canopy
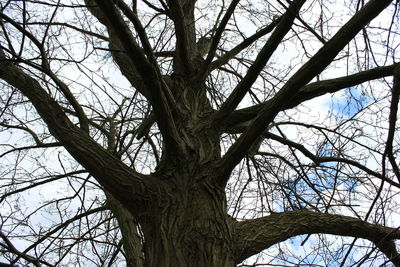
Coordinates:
[199,133]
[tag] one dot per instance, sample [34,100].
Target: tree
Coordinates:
[193,133]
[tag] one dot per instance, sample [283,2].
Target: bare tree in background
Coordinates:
[199,133]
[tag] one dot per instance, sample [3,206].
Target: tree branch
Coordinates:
[182,14]
[117,178]
[63,225]
[140,30]
[245,43]
[318,160]
[75,28]
[304,75]
[236,122]
[130,237]
[255,235]
[9,246]
[127,67]
[42,181]
[216,38]
[265,54]
[45,68]
[155,89]
[392,122]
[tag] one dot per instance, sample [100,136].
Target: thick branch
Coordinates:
[127,67]
[112,174]
[236,121]
[253,236]
[265,54]
[139,29]
[45,67]
[304,75]
[119,32]
[182,14]
[156,90]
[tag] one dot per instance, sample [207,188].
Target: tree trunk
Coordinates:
[187,224]
[189,229]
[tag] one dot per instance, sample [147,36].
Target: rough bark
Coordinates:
[190,229]
[255,235]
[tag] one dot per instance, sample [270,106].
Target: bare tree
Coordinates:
[199,133]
